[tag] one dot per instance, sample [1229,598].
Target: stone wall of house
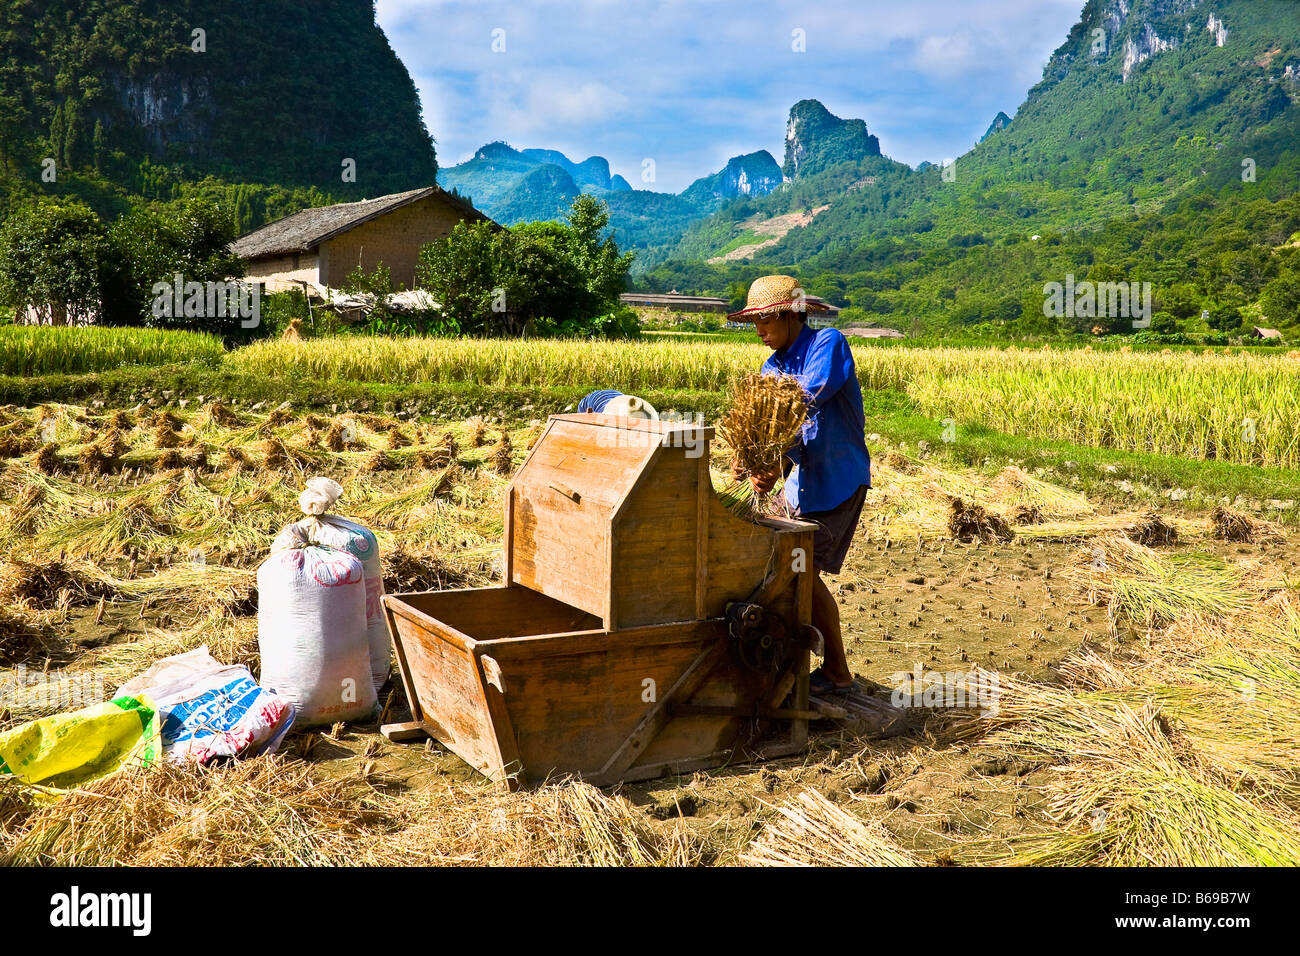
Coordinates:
[284,272]
[394,239]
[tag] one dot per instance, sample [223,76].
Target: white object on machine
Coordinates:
[344,534]
[629,406]
[311,631]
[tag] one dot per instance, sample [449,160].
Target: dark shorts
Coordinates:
[834,532]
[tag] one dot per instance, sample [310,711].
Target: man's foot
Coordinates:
[819,685]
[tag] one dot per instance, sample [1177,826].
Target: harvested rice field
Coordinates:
[1146,663]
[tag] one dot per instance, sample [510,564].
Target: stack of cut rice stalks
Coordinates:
[915,499]
[809,830]
[765,419]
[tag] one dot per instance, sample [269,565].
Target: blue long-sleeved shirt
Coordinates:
[596,401]
[832,461]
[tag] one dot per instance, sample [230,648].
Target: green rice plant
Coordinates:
[49,350]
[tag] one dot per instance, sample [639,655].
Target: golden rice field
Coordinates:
[130,534]
[1237,407]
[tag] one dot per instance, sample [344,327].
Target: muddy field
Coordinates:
[912,597]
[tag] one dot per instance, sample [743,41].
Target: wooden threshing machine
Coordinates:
[642,629]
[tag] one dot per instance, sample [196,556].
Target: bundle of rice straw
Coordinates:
[764,420]
[899,462]
[476,429]
[1152,529]
[812,831]
[1227,524]
[1021,493]
[502,456]
[968,522]
[1133,581]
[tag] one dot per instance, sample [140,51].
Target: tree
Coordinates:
[540,277]
[1280,299]
[51,258]
[99,146]
[460,272]
[1182,301]
[594,254]
[1225,318]
[1164,323]
[14,119]
[155,243]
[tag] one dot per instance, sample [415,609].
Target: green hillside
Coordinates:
[127,101]
[1148,148]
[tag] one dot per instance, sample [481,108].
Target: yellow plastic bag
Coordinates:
[66,750]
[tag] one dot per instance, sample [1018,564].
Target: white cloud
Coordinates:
[562,102]
[945,56]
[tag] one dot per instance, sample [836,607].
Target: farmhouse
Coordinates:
[320,247]
[1269,334]
[675,302]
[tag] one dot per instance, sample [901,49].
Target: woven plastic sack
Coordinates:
[311,631]
[345,534]
[67,750]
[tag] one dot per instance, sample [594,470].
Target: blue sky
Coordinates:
[691,84]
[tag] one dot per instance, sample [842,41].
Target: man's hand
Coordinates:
[763,483]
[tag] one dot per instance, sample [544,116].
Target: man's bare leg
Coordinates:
[826,618]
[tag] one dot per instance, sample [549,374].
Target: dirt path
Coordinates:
[775,228]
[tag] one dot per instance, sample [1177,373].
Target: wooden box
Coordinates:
[611,652]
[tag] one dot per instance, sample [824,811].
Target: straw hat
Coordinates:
[772,294]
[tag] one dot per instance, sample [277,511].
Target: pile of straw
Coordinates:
[502,457]
[563,824]
[968,521]
[1134,582]
[1130,787]
[280,811]
[1019,492]
[476,429]
[1152,529]
[1227,524]
[1183,754]
[809,830]
[269,811]
[24,638]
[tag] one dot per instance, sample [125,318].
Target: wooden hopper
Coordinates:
[610,652]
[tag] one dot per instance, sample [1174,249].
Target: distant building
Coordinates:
[872,332]
[676,302]
[321,247]
[815,320]
[1270,334]
[822,320]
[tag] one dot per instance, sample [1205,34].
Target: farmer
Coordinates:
[829,471]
